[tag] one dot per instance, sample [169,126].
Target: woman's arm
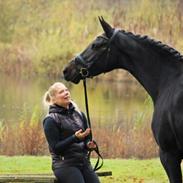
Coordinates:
[52,135]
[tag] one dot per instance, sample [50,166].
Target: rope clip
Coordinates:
[84,72]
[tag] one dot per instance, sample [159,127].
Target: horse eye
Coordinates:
[93,46]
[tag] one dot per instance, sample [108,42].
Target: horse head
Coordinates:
[151,62]
[95,59]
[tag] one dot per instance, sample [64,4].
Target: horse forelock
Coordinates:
[155,43]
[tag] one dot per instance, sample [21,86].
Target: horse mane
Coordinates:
[155,43]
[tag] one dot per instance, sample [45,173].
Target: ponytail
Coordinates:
[46,98]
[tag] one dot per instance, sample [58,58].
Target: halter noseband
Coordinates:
[83,70]
[80,60]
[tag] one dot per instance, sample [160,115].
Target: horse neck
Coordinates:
[153,70]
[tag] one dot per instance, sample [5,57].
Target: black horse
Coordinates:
[158,67]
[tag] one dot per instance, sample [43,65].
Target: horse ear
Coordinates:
[106,27]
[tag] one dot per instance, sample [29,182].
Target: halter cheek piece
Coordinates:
[80,60]
[83,70]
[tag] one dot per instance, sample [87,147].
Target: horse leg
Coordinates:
[172,165]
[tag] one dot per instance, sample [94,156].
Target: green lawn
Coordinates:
[127,171]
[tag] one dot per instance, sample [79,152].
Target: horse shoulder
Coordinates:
[177,100]
[177,114]
[167,121]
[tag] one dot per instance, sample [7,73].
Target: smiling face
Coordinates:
[60,95]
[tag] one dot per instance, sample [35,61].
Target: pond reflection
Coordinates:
[109,102]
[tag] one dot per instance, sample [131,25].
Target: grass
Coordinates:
[30,138]
[123,170]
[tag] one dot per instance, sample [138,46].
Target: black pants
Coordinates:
[73,174]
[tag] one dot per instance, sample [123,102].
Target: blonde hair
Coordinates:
[50,93]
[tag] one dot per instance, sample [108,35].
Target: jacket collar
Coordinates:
[61,110]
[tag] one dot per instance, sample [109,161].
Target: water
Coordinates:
[109,102]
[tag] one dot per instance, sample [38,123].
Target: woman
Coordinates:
[68,138]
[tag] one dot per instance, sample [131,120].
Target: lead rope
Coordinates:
[97,165]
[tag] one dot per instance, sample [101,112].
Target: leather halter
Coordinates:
[84,70]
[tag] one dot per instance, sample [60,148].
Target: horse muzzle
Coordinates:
[71,74]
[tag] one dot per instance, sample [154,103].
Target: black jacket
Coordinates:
[60,126]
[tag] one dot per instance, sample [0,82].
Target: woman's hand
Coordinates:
[81,135]
[91,145]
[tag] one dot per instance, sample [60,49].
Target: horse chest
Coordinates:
[167,123]
[161,125]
